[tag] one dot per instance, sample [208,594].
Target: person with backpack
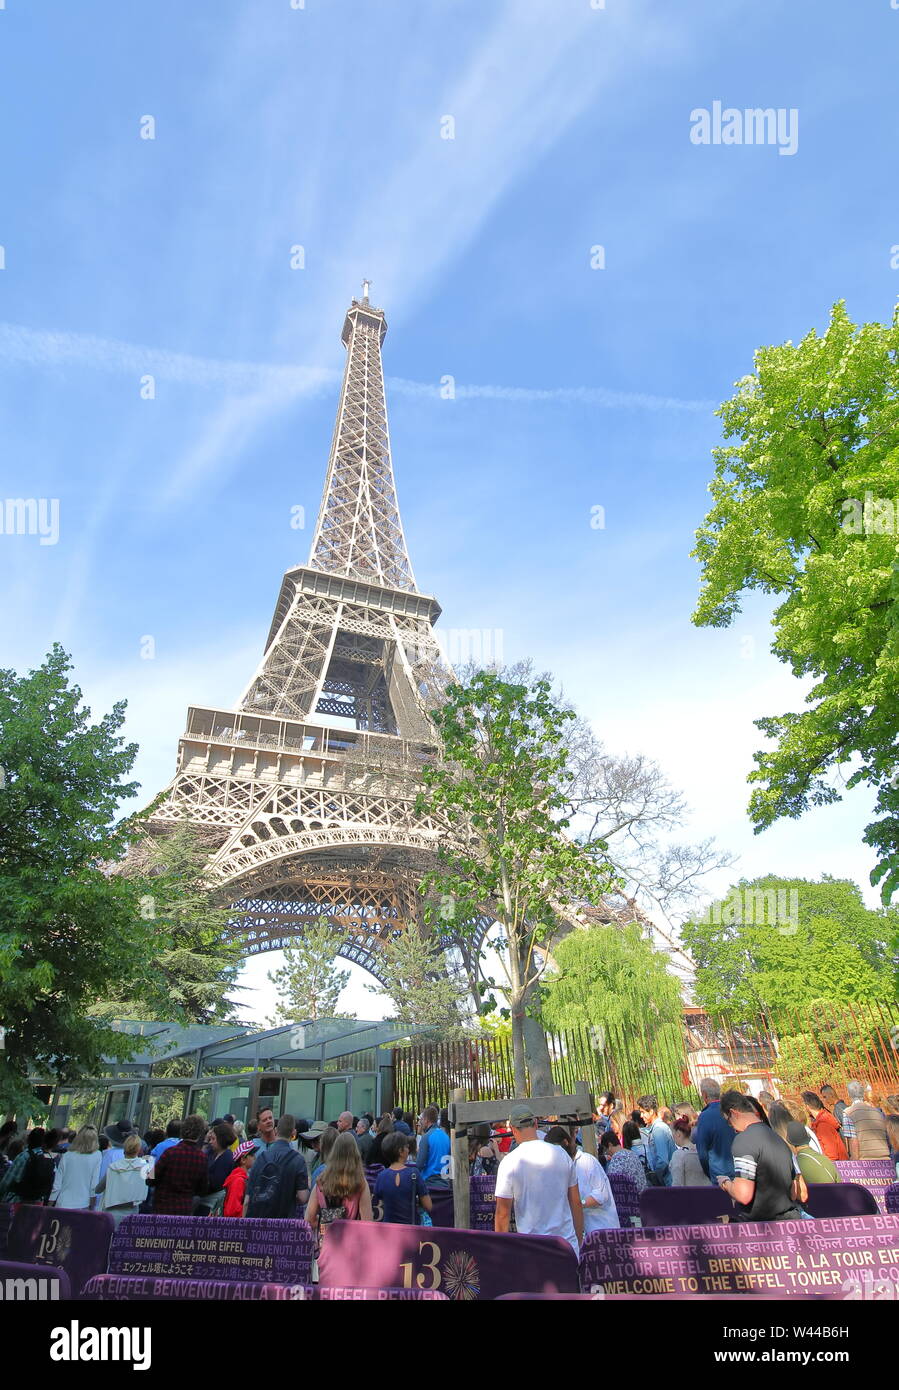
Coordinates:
[341,1192]
[78,1171]
[30,1176]
[399,1190]
[278,1180]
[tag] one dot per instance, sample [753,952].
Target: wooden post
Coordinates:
[459,1171]
[588,1130]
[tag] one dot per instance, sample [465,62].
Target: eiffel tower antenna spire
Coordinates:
[359,533]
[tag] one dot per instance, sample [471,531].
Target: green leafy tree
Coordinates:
[309,984]
[196,960]
[69,930]
[614,980]
[780,944]
[806,507]
[420,987]
[498,792]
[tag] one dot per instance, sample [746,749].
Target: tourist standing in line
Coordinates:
[78,1171]
[433,1149]
[539,1181]
[265,1129]
[624,1160]
[864,1127]
[124,1188]
[832,1100]
[182,1173]
[814,1166]
[400,1126]
[364,1138]
[236,1181]
[712,1135]
[30,1176]
[172,1136]
[686,1169]
[341,1192]
[278,1180]
[597,1198]
[763,1182]
[659,1141]
[825,1127]
[399,1189]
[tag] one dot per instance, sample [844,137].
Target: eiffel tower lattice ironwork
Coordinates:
[305,791]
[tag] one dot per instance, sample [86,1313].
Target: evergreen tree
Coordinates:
[415,978]
[196,961]
[309,984]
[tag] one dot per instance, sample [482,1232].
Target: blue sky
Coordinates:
[321,126]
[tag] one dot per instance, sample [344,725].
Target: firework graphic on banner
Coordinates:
[461,1277]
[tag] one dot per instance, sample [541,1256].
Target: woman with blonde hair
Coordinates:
[341,1192]
[78,1171]
[124,1186]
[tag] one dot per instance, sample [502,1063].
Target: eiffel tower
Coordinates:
[305,791]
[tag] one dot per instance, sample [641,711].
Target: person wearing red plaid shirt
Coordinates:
[182,1173]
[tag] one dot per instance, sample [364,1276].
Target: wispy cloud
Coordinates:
[268,384]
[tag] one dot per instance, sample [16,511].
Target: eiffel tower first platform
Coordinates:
[305,791]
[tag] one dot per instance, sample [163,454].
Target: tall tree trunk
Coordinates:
[516,1006]
[536,1048]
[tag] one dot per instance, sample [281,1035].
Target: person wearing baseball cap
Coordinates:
[540,1181]
[236,1181]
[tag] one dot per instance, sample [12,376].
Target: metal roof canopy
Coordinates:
[311,1040]
[169,1040]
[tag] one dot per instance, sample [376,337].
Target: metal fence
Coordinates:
[793,1049]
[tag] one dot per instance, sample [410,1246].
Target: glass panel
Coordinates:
[363,1095]
[118,1106]
[201,1102]
[300,1098]
[233,1100]
[166,1103]
[333,1099]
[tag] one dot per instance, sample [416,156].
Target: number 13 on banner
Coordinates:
[421,1277]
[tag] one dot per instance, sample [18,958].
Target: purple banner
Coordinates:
[461,1264]
[114,1287]
[76,1241]
[5,1221]
[854,1257]
[627,1198]
[249,1249]
[876,1174]
[684,1206]
[483,1203]
[33,1283]
[443,1213]
[891,1196]
[307,1293]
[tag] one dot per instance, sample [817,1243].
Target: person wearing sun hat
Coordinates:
[236,1181]
[540,1181]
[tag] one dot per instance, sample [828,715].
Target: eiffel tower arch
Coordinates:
[305,790]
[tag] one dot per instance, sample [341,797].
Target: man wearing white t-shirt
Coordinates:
[540,1180]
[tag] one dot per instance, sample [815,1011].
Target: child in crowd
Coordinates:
[236,1181]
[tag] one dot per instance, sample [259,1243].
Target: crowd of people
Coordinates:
[763,1151]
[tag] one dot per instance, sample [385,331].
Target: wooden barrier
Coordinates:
[573,1109]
